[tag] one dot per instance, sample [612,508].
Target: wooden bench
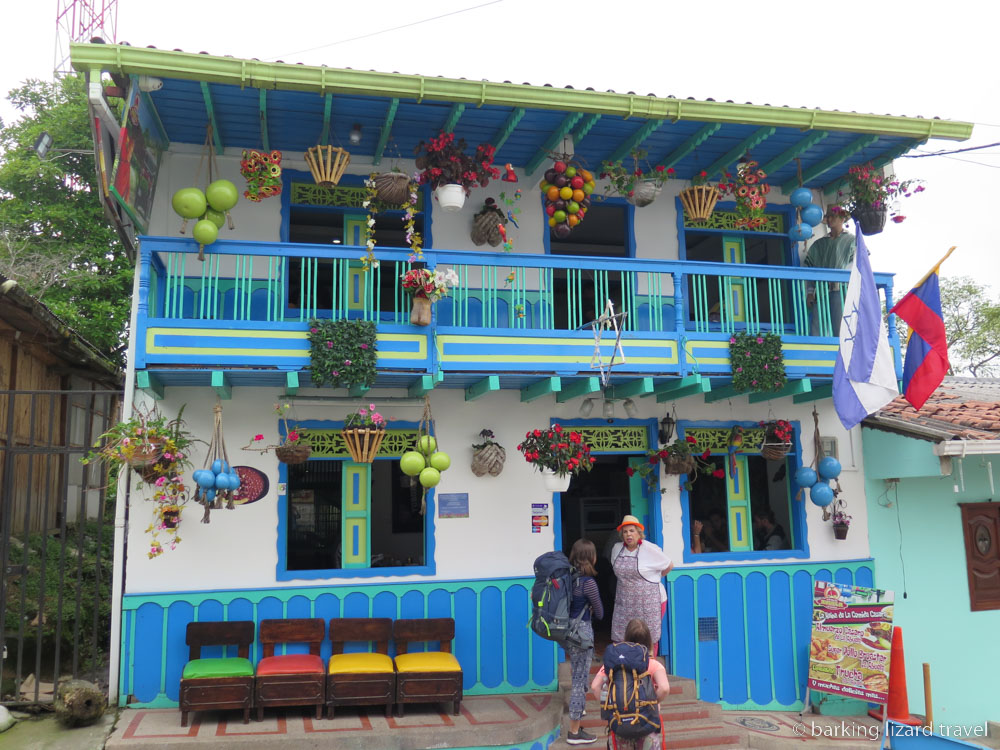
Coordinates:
[290,679]
[222,683]
[360,679]
[428,676]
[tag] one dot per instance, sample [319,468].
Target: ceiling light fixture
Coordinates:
[355,136]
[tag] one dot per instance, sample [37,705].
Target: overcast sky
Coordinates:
[881,57]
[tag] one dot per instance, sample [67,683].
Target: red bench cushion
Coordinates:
[290,664]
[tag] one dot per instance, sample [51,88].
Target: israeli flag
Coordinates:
[864,378]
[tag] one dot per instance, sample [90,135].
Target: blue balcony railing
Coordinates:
[266,289]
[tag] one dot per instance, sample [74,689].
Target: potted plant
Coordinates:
[451,172]
[749,190]
[558,454]
[364,430]
[487,223]
[151,444]
[870,196]
[841,523]
[293,448]
[757,362]
[638,184]
[169,499]
[777,439]
[700,198]
[342,352]
[424,287]
[682,456]
[488,456]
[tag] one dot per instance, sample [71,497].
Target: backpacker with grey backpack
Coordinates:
[551,596]
[630,708]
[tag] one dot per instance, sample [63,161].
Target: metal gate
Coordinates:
[56,541]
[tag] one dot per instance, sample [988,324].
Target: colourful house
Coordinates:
[512,348]
[933,525]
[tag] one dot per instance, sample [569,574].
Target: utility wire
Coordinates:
[394,28]
[925,154]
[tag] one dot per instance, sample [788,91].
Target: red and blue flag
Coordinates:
[927,346]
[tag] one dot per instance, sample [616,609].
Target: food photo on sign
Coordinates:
[851,640]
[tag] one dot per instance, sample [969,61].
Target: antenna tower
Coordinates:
[81,21]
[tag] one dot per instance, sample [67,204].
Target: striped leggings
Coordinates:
[580,661]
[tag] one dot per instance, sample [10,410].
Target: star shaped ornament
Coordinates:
[612,321]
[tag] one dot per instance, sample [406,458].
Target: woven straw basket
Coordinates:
[327,164]
[699,201]
[363,443]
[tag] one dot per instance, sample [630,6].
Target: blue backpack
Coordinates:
[630,708]
[551,595]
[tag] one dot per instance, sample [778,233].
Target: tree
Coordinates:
[972,323]
[55,240]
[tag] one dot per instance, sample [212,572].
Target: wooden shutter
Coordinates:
[981,526]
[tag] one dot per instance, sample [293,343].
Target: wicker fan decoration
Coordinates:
[217,481]
[327,164]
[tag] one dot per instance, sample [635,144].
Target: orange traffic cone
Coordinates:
[899,705]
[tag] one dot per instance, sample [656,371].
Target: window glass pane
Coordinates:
[397,528]
[769,505]
[708,503]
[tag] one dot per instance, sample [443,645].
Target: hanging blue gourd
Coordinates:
[216,480]
[821,493]
[812,215]
[829,467]
[800,232]
[800,197]
[805,476]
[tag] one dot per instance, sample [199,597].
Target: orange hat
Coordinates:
[630,521]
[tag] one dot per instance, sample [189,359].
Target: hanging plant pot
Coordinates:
[870,220]
[678,464]
[699,201]
[149,473]
[556,482]
[293,453]
[420,313]
[327,164]
[392,187]
[146,454]
[363,443]
[486,227]
[840,530]
[171,518]
[450,197]
[644,193]
[488,460]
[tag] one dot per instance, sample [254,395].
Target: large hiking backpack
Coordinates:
[630,708]
[551,595]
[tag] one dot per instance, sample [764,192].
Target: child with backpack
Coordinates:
[586,601]
[636,684]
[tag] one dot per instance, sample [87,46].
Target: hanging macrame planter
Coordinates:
[217,481]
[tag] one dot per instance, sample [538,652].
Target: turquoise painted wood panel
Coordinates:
[763,617]
[498,652]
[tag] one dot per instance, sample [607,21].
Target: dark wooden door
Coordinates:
[981,524]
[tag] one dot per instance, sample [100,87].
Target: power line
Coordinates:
[925,154]
[394,28]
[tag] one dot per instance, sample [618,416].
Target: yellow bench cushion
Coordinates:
[360,663]
[430,661]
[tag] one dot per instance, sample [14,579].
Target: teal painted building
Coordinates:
[930,485]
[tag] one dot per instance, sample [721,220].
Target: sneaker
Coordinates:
[583,737]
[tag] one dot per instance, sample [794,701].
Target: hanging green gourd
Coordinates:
[424,463]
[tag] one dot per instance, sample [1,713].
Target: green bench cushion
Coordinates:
[202,668]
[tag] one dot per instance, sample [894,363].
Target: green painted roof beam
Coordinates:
[818,393]
[206,94]
[327,110]
[753,140]
[357,390]
[718,394]
[233,71]
[543,387]
[695,140]
[150,383]
[552,141]
[453,117]
[221,385]
[263,120]
[421,386]
[830,162]
[584,127]
[637,387]
[674,385]
[577,388]
[484,386]
[696,389]
[887,158]
[793,152]
[634,141]
[791,388]
[383,139]
[291,382]
[507,129]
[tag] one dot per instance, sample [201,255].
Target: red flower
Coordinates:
[691,439]
[654,460]
[706,455]
[630,471]
[718,473]
[664,453]
[538,433]
[558,428]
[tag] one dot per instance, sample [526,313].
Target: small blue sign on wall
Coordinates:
[453,505]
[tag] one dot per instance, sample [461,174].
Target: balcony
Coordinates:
[240,318]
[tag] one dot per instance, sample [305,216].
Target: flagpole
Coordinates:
[936,266]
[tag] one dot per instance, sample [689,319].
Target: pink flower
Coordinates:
[760,340]
[313,330]
[258,437]
[363,412]
[161,481]
[295,436]
[329,345]
[732,341]
[372,408]
[347,363]
[364,346]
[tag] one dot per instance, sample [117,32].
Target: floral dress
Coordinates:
[636,597]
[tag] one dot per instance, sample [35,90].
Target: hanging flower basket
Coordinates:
[777,439]
[327,164]
[840,530]
[644,194]
[363,443]
[293,453]
[679,464]
[450,197]
[556,482]
[489,460]
[171,518]
[870,220]
[699,201]
[146,454]
[392,187]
